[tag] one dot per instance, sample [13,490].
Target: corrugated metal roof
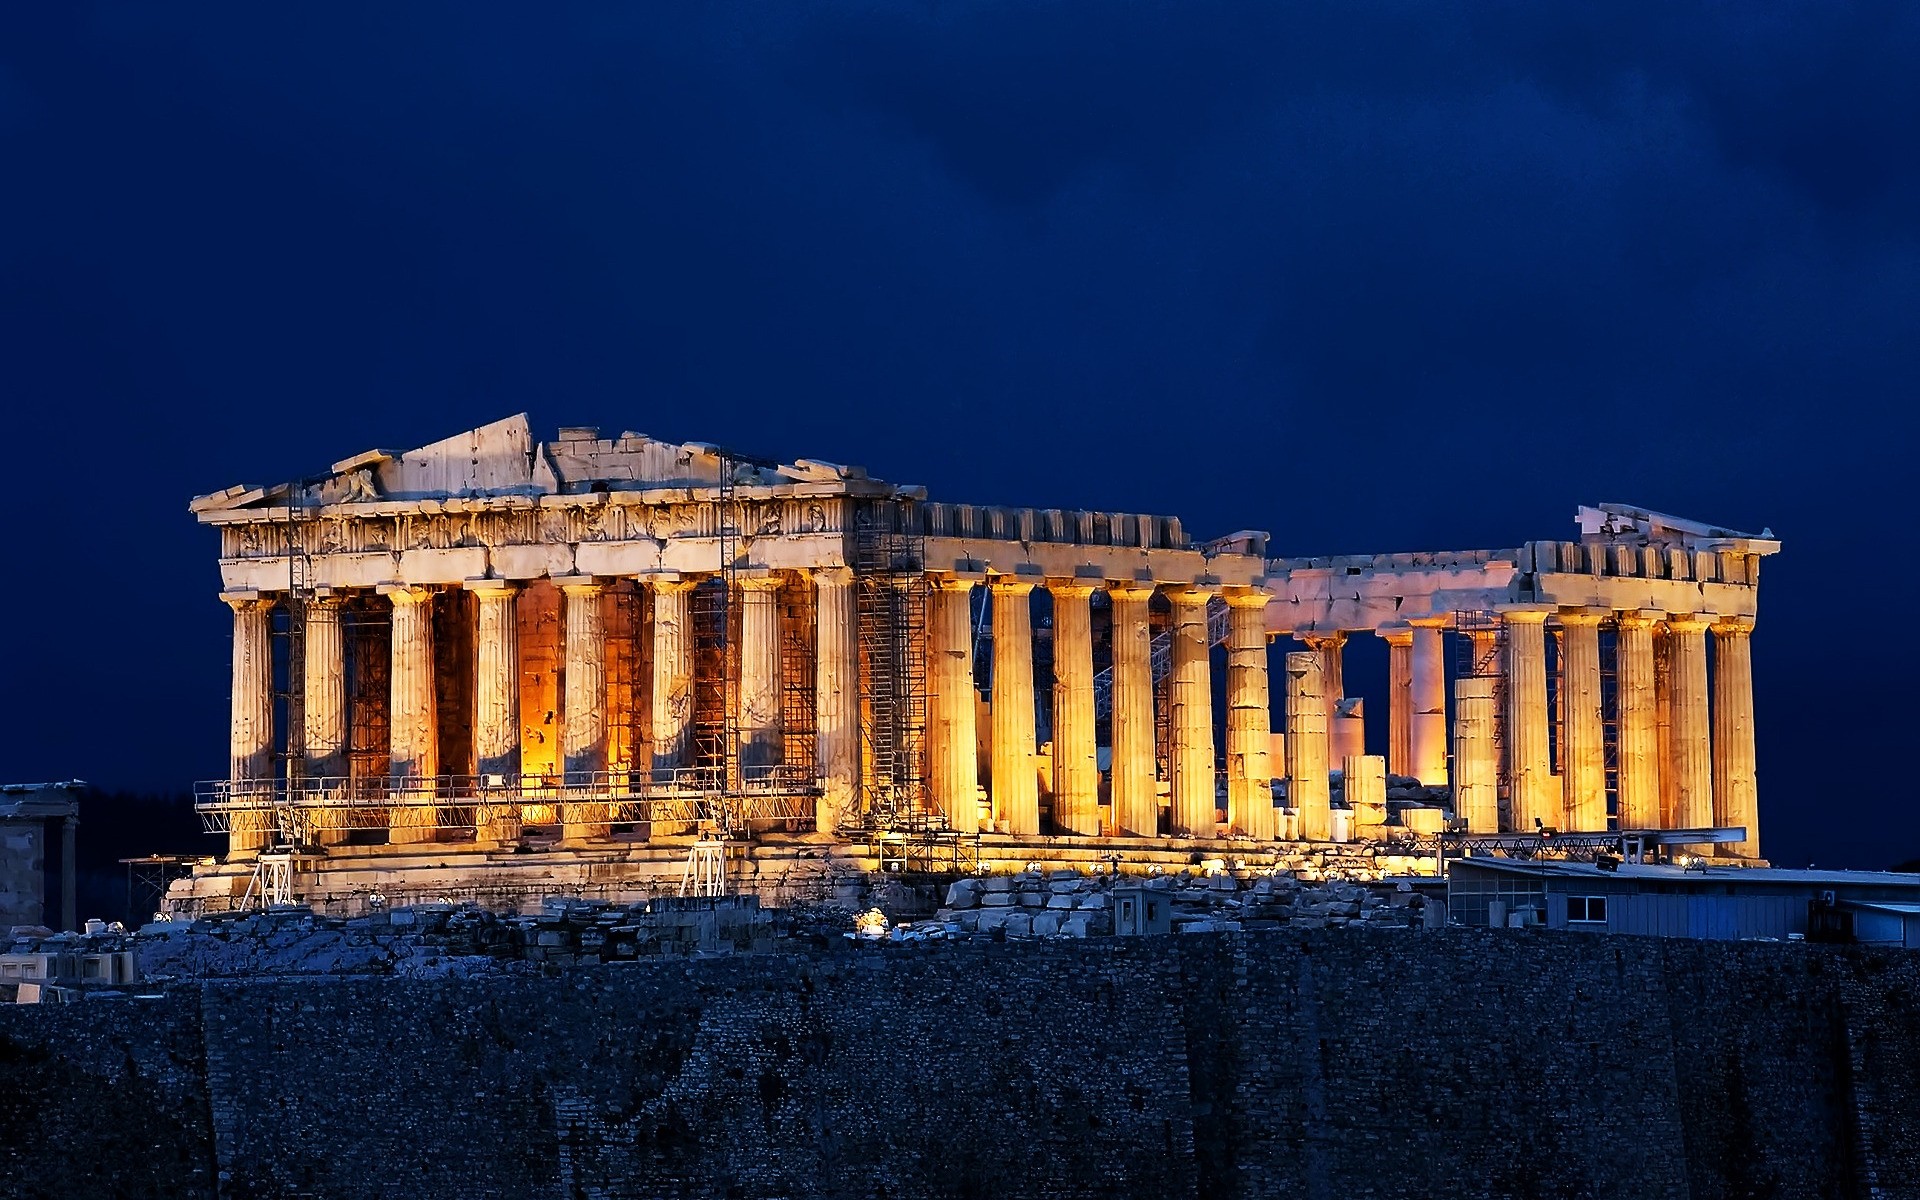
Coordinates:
[1667,874]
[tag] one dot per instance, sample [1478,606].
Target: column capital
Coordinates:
[1189,595]
[407,593]
[1689,622]
[1444,621]
[1526,614]
[1733,626]
[492,587]
[1395,635]
[1583,616]
[765,581]
[243,601]
[1247,597]
[957,581]
[671,583]
[1074,589]
[1007,585]
[1327,639]
[1130,589]
[579,585]
[1639,618]
[831,576]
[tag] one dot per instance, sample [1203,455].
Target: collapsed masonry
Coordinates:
[493,664]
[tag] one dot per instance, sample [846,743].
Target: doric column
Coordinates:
[1663,722]
[1364,782]
[1476,766]
[1331,648]
[414,728]
[496,702]
[1735,796]
[955,699]
[1692,735]
[1536,799]
[672,674]
[1635,719]
[1136,802]
[1307,787]
[1191,790]
[1584,752]
[1399,699]
[1428,680]
[583,730]
[836,698]
[760,722]
[1076,759]
[1249,717]
[250,735]
[1016,789]
[324,690]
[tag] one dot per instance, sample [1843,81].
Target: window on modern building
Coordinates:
[1590,910]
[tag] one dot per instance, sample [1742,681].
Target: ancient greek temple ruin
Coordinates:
[502,660]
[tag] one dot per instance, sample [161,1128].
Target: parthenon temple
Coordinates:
[500,659]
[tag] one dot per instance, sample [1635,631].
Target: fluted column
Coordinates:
[1136,802]
[583,729]
[836,698]
[1536,798]
[1429,686]
[496,703]
[414,727]
[1663,723]
[1016,788]
[1076,759]
[1735,794]
[759,673]
[1476,766]
[672,674]
[1692,736]
[1249,718]
[1331,647]
[250,733]
[1584,765]
[1364,782]
[323,703]
[1399,699]
[1190,697]
[955,700]
[1635,719]
[1307,787]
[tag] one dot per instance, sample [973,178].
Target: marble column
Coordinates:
[836,698]
[1190,698]
[1364,779]
[1250,810]
[1399,699]
[1331,647]
[1692,734]
[1663,722]
[1583,748]
[414,726]
[1076,758]
[1308,792]
[1016,788]
[1636,720]
[1735,794]
[1428,679]
[496,704]
[324,690]
[1536,795]
[1476,766]
[672,675]
[1136,801]
[583,728]
[250,733]
[954,702]
[760,717]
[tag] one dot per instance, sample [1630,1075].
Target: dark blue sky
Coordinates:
[1370,276]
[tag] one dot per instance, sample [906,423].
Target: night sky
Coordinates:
[1370,276]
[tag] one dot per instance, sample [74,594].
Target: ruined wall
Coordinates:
[1468,1063]
[23,867]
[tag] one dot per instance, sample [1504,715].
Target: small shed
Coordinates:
[1885,922]
[1141,910]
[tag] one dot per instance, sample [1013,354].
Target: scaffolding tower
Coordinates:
[890,603]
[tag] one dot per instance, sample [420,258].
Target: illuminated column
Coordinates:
[583,728]
[1136,803]
[672,674]
[1364,780]
[1490,661]
[1663,722]
[324,690]
[1190,701]
[956,740]
[1584,753]
[1307,788]
[1016,789]
[1428,680]
[1692,736]
[414,727]
[1636,720]
[1076,759]
[759,672]
[1399,699]
[1536,798]
[836,698]
[1735,796]
[1331,649]
[1249,718]
[250,734]
[1476,766]
[496,701]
